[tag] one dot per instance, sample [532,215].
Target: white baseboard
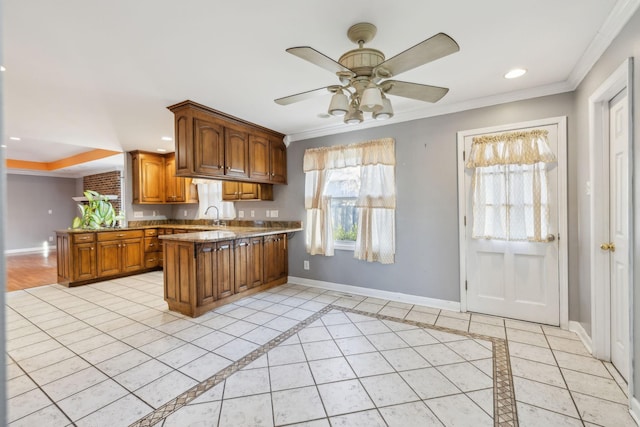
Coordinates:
[28,250]
[376,293]
[584,337]
[634,409]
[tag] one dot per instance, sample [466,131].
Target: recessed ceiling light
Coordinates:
[14,138]
[515,73]
[3,146]
[2,68]
[167,138]
[162,150]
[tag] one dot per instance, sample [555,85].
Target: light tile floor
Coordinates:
[111,354]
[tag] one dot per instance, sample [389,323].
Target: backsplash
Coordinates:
[108,183]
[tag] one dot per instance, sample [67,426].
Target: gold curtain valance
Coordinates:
[510,148]
[378,151]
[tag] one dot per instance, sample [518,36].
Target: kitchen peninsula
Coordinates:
[205,264]
[206,269]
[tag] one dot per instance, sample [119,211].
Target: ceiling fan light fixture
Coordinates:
[339,105]
[386,112]
[371,99]
[354,116]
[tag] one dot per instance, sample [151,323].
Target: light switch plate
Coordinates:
[137,214]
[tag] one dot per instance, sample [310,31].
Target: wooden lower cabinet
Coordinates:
[98,255]
[201,276]
[276,263]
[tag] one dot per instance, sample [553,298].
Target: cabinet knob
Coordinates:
[91,248]
[228,167]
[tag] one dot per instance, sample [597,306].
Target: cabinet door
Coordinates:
[230,190]
[206,275]
[275,257]
[184,144]
[208,146]
[63,257]
[224,264]
[243,266]
[84,261]
[259,157]
[175,187]
[132,252]
[236,152]
[151,178]
[256,262]
[278,161]
[108,258]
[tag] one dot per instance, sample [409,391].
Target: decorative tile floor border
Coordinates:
[504,413]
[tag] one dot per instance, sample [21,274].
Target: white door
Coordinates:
[619,231]
[519,280]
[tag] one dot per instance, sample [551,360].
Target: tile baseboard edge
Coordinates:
[582,334]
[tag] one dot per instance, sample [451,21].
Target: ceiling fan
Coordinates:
[365,75]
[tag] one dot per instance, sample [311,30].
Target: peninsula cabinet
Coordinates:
[154,180]
[211,144]
[92,256]
[199,276]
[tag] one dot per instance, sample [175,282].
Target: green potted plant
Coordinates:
[96,213]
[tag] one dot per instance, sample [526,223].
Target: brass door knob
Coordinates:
[608,247]
[551,237]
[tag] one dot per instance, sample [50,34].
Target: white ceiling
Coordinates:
[100,74]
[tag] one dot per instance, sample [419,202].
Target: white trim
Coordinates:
[28,250]
[563,227]
[599,209]
[376,293]
[634,409]
[582,334]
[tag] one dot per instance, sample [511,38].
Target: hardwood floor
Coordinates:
[31,270]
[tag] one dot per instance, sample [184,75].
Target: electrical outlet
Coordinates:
[51,238]
[274,213]
[185,212]
[268,213]
[253,213]
[240,214]
[153,213]
[50,211]
[138,214]
[306,264]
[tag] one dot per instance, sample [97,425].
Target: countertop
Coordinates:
[227,233]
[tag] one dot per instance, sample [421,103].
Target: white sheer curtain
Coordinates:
[210,194]
[376,201]
[509,187]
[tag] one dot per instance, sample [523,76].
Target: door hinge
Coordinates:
[466,285]
[558,236]
[464,155]
[465,220]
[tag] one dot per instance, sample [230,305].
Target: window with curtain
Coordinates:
[509,186]
[210,194]
[350,198]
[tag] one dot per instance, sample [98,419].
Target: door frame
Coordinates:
[563,266]
[599,173]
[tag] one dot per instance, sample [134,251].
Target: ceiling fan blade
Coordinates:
[414,90]
[321,60]
[302,96]
[429,50]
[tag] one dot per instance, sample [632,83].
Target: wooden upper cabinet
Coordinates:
[232,190]
[155,180]
[236,156]
[212,144]
[148,177]
[278,161]
[259,158]
[208,147]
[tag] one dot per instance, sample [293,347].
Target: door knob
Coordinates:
[551,237]
[608,247]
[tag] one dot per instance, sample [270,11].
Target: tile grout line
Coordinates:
[168,408]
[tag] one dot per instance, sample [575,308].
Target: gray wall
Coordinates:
[29,198]
[624,46]
[427,250]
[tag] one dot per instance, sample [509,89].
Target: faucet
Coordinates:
[217,221]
